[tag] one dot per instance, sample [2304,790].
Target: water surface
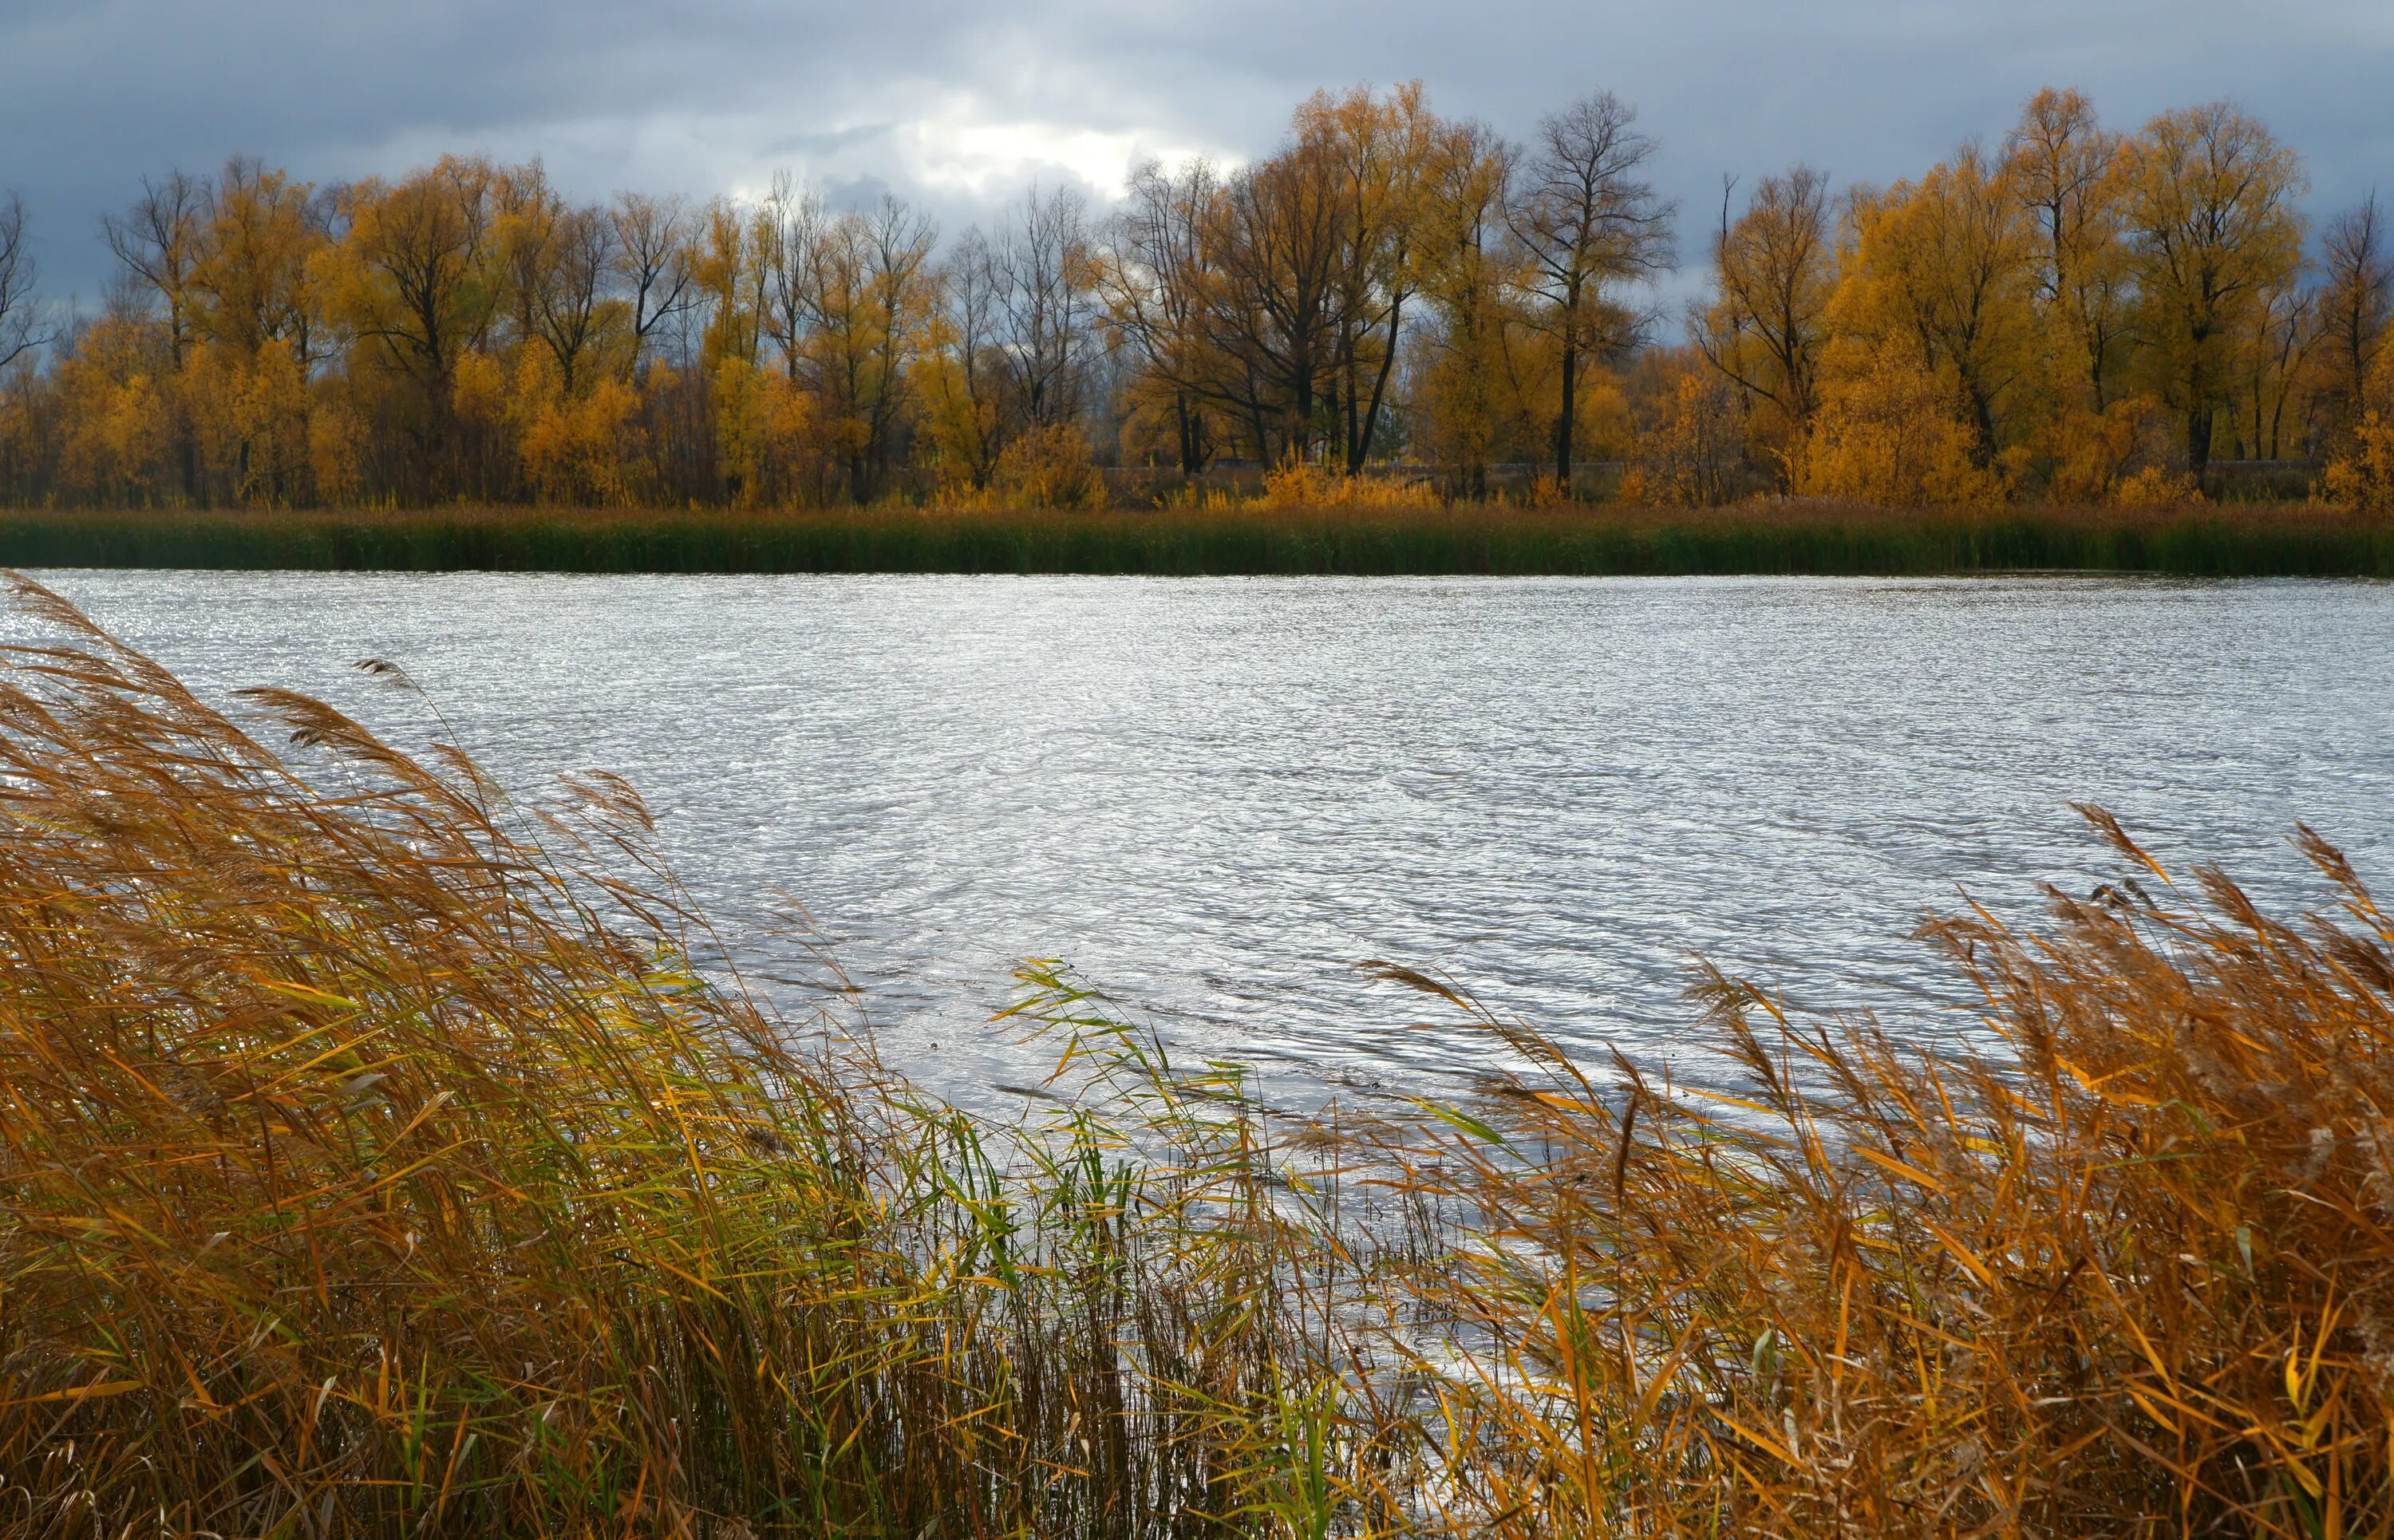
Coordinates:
[1216,796]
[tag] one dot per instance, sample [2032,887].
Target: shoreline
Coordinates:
[1795,539]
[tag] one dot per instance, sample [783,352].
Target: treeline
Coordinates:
[2069,314]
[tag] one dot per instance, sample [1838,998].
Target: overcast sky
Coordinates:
[960,106]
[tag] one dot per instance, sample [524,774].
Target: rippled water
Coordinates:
[1216,796]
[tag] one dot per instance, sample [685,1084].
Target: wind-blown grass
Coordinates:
[1793,537]
[378,1156]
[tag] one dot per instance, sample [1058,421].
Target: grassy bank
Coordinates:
[2246,540]
[377,1160]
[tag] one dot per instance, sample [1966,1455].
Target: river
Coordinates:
[1215,797]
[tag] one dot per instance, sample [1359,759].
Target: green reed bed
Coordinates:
[382,1156]
[1797,537]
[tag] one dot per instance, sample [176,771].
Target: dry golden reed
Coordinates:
[382,1156]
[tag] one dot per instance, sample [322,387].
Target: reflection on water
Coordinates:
[1216,796]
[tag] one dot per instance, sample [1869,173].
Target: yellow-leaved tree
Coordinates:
[1692,454]
[2216,230]
[2363,476]
[416,283]
[1891,429]
[1777,271]
[1933,313]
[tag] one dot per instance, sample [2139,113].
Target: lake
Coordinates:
[1215,797]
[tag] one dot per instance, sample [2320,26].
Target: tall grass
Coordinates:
[1390,535]
[379,1156]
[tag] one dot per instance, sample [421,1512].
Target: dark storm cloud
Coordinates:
[959,105]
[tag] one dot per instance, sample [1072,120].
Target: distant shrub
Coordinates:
[1695,454]
[1301,484]
[1049,468]
[2156,487]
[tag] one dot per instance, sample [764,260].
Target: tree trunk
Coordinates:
[1354,456]
[1186,422]
[1569,420]
[1300,437]
[1379,388]
[1982,455]
[2198,440]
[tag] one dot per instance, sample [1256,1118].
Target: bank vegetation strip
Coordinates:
[1790,537]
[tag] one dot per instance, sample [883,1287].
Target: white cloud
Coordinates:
[991,159]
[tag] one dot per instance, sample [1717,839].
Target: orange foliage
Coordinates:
[1390,290]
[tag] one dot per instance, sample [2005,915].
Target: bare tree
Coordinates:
[790,232]
[1046,306]
[1588,221]
[2286,329]
[161,239]
[968,286]
[20,326]
[652,239]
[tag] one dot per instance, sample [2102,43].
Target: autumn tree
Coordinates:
[1275,305]
[1276,236]
[869,299]
[1470,389]
[1775,271]
[1946,264]
[2361,474]
[1380,153]
[2069,172]
[2070,318]
[526,216]
[2211,208]
[728,278]
[965,388]
[118,441]
[158,243]
[1588,222]
[418,282]
[2356,302]
[1691,442]
[258,279]
[1155,279]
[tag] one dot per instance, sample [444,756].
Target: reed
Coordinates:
[2126,1271]
[382,1156]
[1380,535]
